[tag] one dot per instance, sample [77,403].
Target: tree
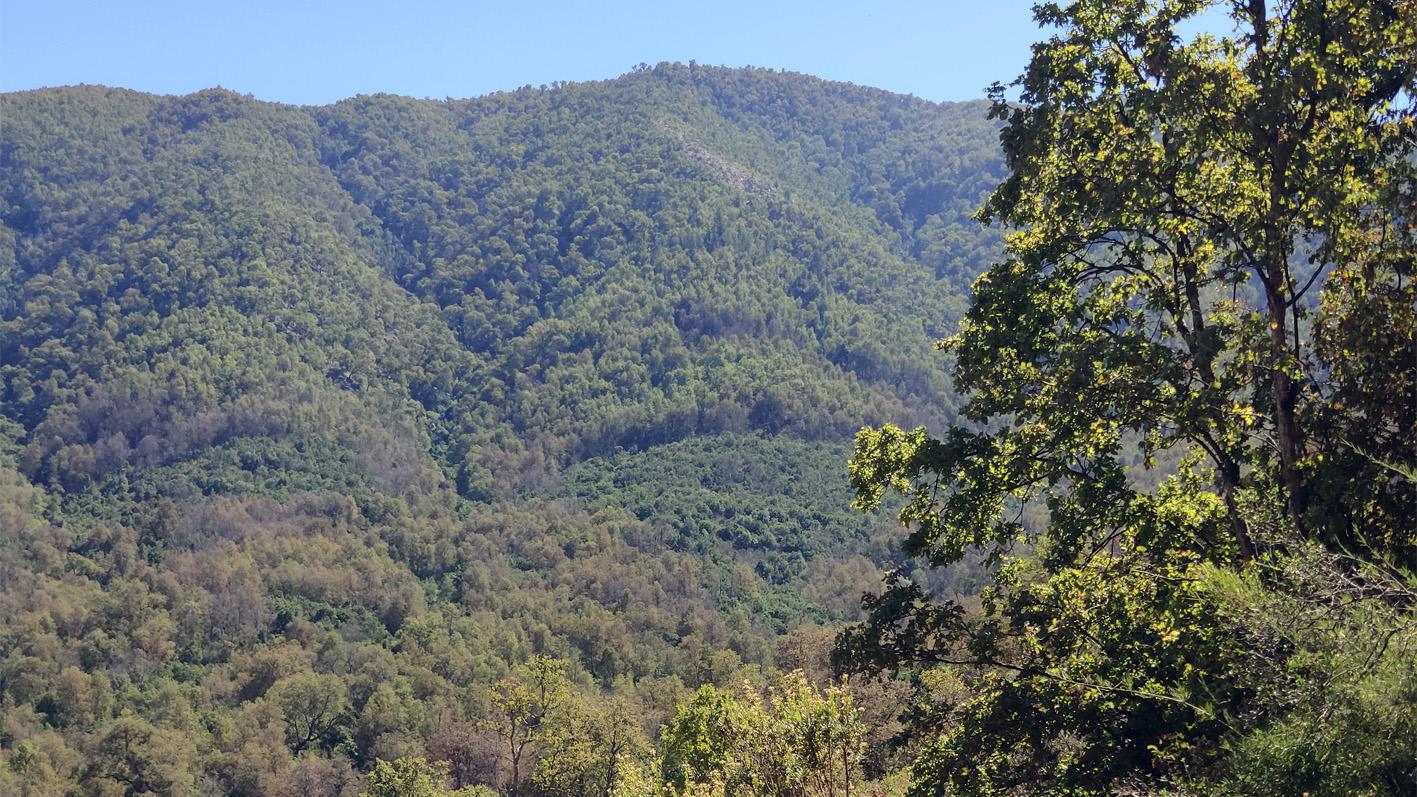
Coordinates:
[314,705]
[1176,206]
[471,752]
[522,702]
[415,777]
[389,719]
[806,742]
[25,771]
[591,748]
[1330,646]
[698,740]
[795,740]
[135,758]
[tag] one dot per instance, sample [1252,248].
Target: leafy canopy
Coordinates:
[1194,224]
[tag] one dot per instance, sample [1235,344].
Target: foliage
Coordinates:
[1329,642]
[1193,221]
[698,741]
[596,748]
[414,777]
[792,740]
[312,705]
[318,424]
[524,706]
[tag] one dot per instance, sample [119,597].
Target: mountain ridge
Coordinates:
[569,372]
[209,107]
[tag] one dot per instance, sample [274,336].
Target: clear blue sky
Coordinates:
[318,51]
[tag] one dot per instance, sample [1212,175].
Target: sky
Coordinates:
[320,51]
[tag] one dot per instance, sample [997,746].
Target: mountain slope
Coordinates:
[568,370]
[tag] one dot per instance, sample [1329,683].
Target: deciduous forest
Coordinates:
[727,432]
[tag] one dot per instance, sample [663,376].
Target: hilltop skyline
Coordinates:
[317,54]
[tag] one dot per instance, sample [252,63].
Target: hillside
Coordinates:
[400,392]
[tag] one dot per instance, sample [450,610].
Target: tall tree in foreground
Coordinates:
[1210,259]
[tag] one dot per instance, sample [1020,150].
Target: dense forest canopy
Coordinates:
[500,446]
[317,424]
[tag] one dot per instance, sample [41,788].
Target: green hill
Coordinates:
[405,391]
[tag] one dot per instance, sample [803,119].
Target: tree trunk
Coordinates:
[1285,396]
[1272,140]
[1283,391]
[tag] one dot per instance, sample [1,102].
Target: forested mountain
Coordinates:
[595,440]
[319,426]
